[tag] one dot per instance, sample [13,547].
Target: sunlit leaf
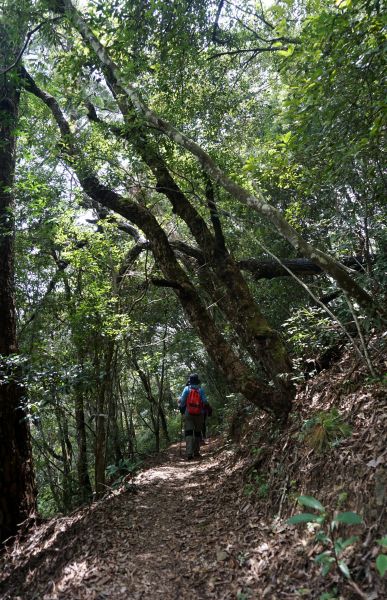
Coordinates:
[304,518]
[311,502]
[348,518]
[381,564]
[344,569]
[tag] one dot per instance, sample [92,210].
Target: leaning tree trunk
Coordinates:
[154,407]
[161,388]
[238,375]
[224,281]
[257,201]
[17,487]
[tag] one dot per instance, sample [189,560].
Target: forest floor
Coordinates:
[216,528]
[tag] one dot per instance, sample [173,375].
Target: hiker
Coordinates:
[206,412]
[192,402]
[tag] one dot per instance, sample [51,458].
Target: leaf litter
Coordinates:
[216,528]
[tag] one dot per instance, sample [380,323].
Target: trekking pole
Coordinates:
[181,434]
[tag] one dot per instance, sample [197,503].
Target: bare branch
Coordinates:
[25,45]
[214,214]
[216,23]
[258,50]
[259,16]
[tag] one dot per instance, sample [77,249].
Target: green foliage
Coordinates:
[118,473]
[305,518]
[11,367]
[342,498]
[381,559]
[309,330]
[47,506]
[310,502]
[323,76]
[327,525]
[174,426]
[257,485]
[332,595]
[242,596]
[381,564]
[325,429]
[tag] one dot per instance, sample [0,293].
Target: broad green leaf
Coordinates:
[325,560]
[381,564]
[383,541]
[325,570]
[288,52]
[324,557]
[341,544]
[343,3]
[286,137]
[348,518]
[311,502]
[323,538]
[304,518]
[327,567]
[344,569]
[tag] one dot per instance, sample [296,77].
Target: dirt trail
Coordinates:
[216,528]
[174,538]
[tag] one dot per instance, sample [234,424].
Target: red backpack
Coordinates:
[194,402]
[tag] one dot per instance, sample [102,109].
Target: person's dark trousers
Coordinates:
[193,425]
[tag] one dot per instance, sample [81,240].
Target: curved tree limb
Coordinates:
[219,272]
[26,42]
[237,374]
[256,200]
[255,51]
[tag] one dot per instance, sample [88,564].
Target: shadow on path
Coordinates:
[168,540]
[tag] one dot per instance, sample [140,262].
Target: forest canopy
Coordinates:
[187,186]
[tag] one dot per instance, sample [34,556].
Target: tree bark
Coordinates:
[130,431]
[84,484]
[154,407]
[302,267]
[101,425]
[67,488]
[161,389]
[17,485]
[114,448]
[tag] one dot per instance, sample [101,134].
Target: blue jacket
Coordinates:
[184,396]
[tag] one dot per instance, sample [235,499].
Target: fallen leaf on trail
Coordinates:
[221,555]
[376,462]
